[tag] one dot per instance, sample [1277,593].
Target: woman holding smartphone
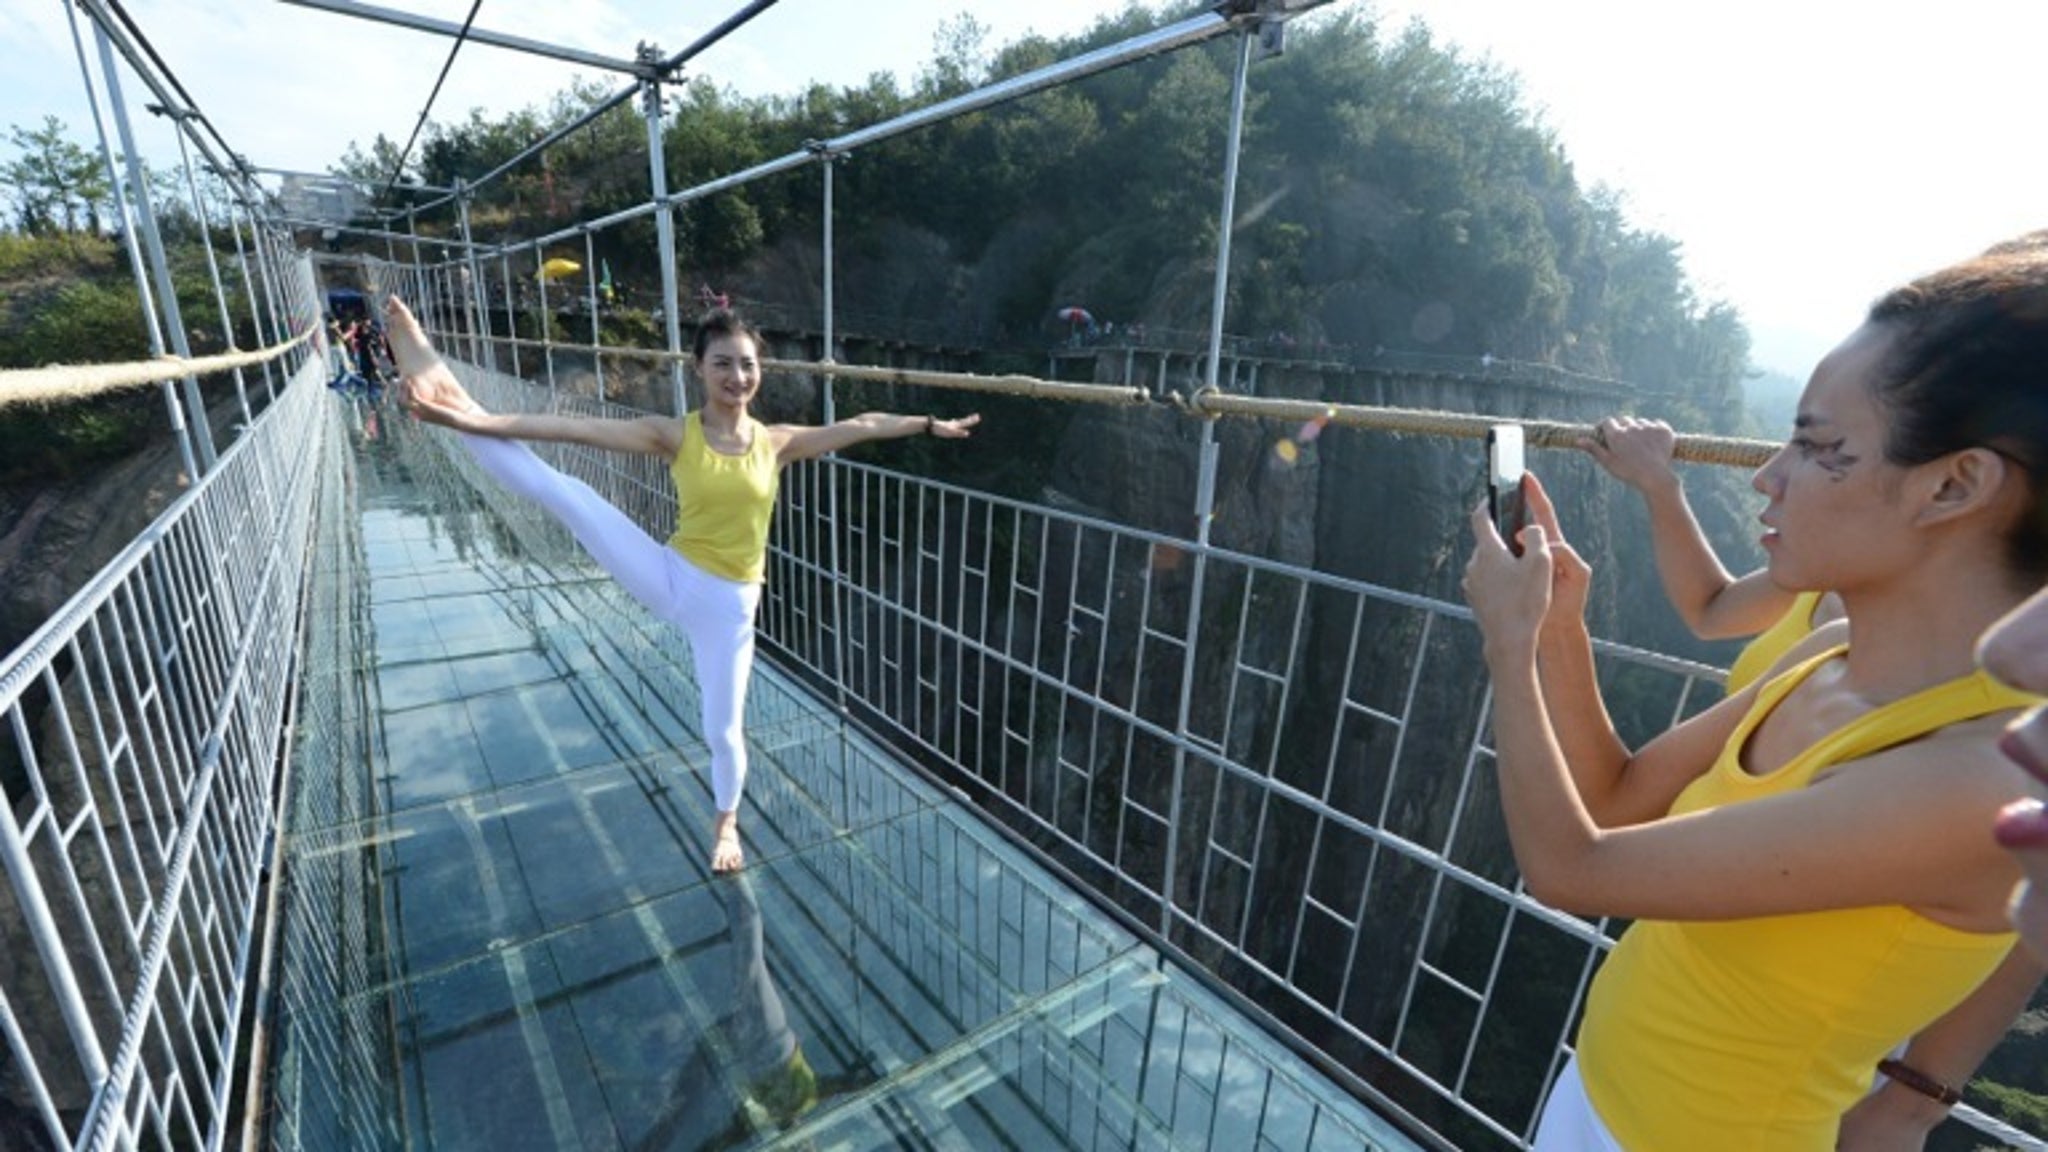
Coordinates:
[1806,863]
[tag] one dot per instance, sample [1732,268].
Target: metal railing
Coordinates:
[326,1075]
[146,723]
[923,859]
[1308,826]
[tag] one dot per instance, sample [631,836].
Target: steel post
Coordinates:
[664,227]
[131,244]
[482,353]
[249,289]
[840,593]
[511,316]
[220,296]
[263,246]
[547,322]
[1205,484]
[596,333]
[421,307]
[160,265]
[831,412]
[436,314]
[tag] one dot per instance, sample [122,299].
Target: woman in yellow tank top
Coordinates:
[706,581]
[1808,864]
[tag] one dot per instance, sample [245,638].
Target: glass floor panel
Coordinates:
[531,953]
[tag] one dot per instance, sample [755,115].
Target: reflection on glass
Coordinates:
[746,1074]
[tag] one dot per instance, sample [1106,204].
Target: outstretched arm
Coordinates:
[795,442]
[430,391]
[1715,604]
[1615,786]
[1906,827]
[646,436]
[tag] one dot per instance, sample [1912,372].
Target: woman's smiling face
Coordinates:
[731,369]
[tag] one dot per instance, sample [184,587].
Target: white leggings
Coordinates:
[716,614]
[1569,1123]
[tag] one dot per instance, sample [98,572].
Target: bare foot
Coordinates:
[426,386]
[726,855]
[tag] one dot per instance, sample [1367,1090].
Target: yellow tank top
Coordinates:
[1757,1034]
[724,504]
[1757,657]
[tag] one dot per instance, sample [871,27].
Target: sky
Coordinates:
[1806,154]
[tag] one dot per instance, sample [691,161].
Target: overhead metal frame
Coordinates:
[335,178]
[658,69]
[453,30]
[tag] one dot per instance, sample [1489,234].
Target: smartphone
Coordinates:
[1504,470]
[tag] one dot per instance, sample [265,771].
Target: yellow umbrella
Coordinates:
[558,267]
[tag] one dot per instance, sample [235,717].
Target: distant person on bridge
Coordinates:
[1715,604]
[706,580]
[337,351]
[1809,863]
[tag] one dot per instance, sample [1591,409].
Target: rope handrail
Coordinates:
[1732,451]
[76,381]
[1013,385]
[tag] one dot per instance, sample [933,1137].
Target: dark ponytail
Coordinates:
[1968,368]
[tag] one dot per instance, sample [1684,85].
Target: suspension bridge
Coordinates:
[350,807]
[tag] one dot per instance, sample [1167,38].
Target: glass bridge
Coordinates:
[545,962]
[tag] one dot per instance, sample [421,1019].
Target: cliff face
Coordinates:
[55,534]
[53,537]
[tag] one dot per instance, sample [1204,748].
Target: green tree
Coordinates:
[55,184]
[373,164]
[959,58]
[478,145]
